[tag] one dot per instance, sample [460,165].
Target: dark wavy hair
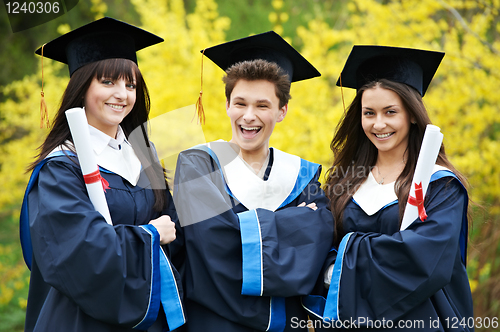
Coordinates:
[354,155]
[138,117]
[259,70]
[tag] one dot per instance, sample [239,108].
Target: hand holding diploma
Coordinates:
[423,172]
[78,126]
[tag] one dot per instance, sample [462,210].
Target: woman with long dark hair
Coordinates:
[382,276]
[88,275]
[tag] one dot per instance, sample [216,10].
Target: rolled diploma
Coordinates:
[79,128]
[423,171]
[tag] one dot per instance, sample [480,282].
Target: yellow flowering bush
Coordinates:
[462,100]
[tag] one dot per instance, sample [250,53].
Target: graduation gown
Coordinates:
[393,280]
[245,267]
[87,275]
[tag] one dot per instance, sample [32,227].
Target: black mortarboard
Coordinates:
[267,46]
[367,63]
[106,38]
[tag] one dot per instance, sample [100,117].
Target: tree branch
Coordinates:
[457,15]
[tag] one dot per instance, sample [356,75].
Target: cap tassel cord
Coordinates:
[44,116]
[342,91]
[200,112]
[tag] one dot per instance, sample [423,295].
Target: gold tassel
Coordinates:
[44,115]
[43,112]
[200,112]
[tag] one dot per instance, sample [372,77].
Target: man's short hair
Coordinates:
[259,70]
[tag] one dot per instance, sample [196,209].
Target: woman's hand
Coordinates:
[165,227]
[310,205]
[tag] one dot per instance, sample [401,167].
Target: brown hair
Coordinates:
[73,97]
[259,70]
[354,155]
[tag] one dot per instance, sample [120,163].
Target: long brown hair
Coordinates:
[354,155]
[137,118]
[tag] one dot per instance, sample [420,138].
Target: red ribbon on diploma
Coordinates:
[95,177]
[418,201]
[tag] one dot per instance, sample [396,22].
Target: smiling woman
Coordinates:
[109,100]
[379,272]
[88,275]
[386,123]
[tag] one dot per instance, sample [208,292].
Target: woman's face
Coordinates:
[385,121]
[108,102]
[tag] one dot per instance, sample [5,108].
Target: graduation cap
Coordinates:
[106,38]
[367,63]
[266,46]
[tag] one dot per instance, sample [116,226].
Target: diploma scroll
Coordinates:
[423,172]
[79,128]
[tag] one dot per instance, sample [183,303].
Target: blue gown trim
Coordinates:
[277,319]
[251,243]
[331,306]
[163,285]
[464,230]
[389,204]
[24,223]
[212,154]
[314,304]
[465,227]
[170,297]
[306,173]
[154,297]
[164,288]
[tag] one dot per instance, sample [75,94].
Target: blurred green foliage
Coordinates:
[462,100]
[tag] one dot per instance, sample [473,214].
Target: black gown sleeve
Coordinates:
[387,276]
[105,270]
[291,247]
[293,242]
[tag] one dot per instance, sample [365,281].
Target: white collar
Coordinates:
[263,169]
[115,155]
[100,140]
[371,197]
[251,190]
